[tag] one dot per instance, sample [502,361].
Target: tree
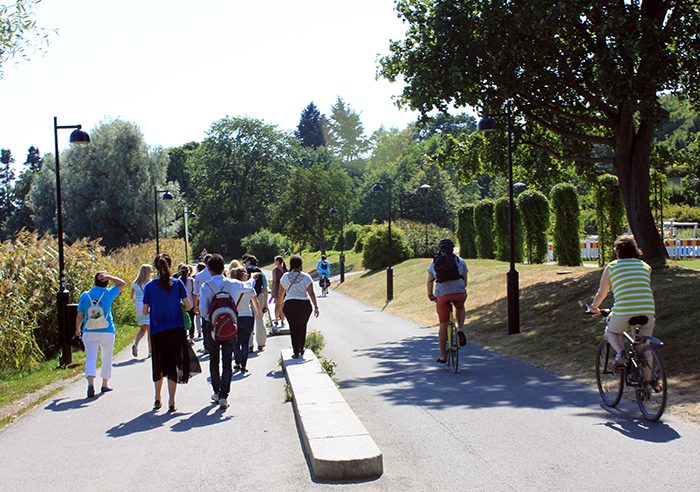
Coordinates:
[565,215]
[589,72]
[534,208]
[7,175]
[18,31]
[303,210]
[312,127]
[345,132]
[107,187]
[41,199]
[237,173]
[21,214]
[176,166]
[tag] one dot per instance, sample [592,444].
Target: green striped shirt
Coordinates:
[630,279]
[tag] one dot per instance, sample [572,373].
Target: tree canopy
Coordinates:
[589,73]
[312,127]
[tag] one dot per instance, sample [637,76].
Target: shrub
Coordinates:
[534,208]
[374,252]
[414,235]
[265,245]
[610,215]
[483,224]
[350,231]
[315,341]
[567,246]
[466,232]
[501,229]
[361,234]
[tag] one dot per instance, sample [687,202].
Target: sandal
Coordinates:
[157,405]
[134,350]
[441,361]
[172,409]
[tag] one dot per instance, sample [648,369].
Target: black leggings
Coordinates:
[297,313]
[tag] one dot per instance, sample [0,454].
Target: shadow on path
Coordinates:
[129,362]
[63,404]
[209,415]
[145,422]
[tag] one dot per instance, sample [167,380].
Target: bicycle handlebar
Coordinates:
[587,310]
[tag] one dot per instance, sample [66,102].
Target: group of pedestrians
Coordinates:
[165,305]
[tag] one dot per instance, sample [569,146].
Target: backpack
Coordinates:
[445,264]
[96,319]
[223,315]
[324,265]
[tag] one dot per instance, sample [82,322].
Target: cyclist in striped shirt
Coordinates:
[629,278]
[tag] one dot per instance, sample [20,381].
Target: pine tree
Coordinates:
[311,129]
[345,132]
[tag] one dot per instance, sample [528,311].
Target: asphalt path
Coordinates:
[498,424]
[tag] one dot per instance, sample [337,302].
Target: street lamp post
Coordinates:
[166,196]
[63,296]
[425,188]
[512,278]
[342,244]
[389,270]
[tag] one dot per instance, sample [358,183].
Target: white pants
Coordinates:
[104,341]
[260,332]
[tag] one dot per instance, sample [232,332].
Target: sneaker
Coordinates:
[261,348]
[215,398]
[251,349]
[223,404]
[620,362]
[134,350]
[237,367]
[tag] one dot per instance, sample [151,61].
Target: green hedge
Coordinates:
[375,248]
[483,223]
[466,232]
[265,245]
[414,235]
[501,230]
[565,207]
[534,208]
[610,215]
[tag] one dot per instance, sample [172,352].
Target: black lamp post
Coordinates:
[333,211]
[425,188]
[63,296]
[389,270]
[488,124]
[166,196]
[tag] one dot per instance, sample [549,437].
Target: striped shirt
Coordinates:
[630,279]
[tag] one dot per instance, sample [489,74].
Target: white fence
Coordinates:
[679,249]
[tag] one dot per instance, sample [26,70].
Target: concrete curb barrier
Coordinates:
[337,444]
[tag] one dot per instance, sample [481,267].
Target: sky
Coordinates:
[174,67]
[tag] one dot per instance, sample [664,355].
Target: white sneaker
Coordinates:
[215,398]
[223,404]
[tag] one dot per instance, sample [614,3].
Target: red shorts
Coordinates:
[443,307]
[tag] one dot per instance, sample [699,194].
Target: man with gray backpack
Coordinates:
[448,274]
[219,300]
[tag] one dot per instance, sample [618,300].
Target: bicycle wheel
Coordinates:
[610,382]
[455,350]
[652,390]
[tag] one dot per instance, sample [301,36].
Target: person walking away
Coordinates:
[629,278]
[96,323]
[199,279]
[173,357]
[323,268]
[261,291]
[279,270]
[297,292]
[247,306]
[448,273]
[197,318]
[186,278]
[220,296]
[144,276]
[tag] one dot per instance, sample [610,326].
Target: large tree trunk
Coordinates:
[632,156]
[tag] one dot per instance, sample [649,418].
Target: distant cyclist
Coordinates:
[323,268]
[448,275]
[630,280]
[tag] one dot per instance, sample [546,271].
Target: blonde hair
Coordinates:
[232,266]
[144,274]
[238,272]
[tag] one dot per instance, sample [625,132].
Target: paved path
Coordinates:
[498,425]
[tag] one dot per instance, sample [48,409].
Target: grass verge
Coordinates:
[15,387]
[554,335]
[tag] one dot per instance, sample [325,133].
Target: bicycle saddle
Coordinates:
[638,320]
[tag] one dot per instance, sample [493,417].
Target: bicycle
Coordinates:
[452,347]
[644,371]
[324,282]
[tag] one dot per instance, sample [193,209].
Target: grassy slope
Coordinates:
[353,262]
[553,335]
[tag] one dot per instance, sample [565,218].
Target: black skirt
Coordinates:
[173,357]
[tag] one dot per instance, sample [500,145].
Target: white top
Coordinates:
[244,307]
[217,284]
[295,285]
[199,279]
[189,287]
[138,296]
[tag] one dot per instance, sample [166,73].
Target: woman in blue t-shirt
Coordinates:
[172,356]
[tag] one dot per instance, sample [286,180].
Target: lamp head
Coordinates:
[377,187]
[486,124]
[78,136]
[424,187]
[168,196]
[333,211]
